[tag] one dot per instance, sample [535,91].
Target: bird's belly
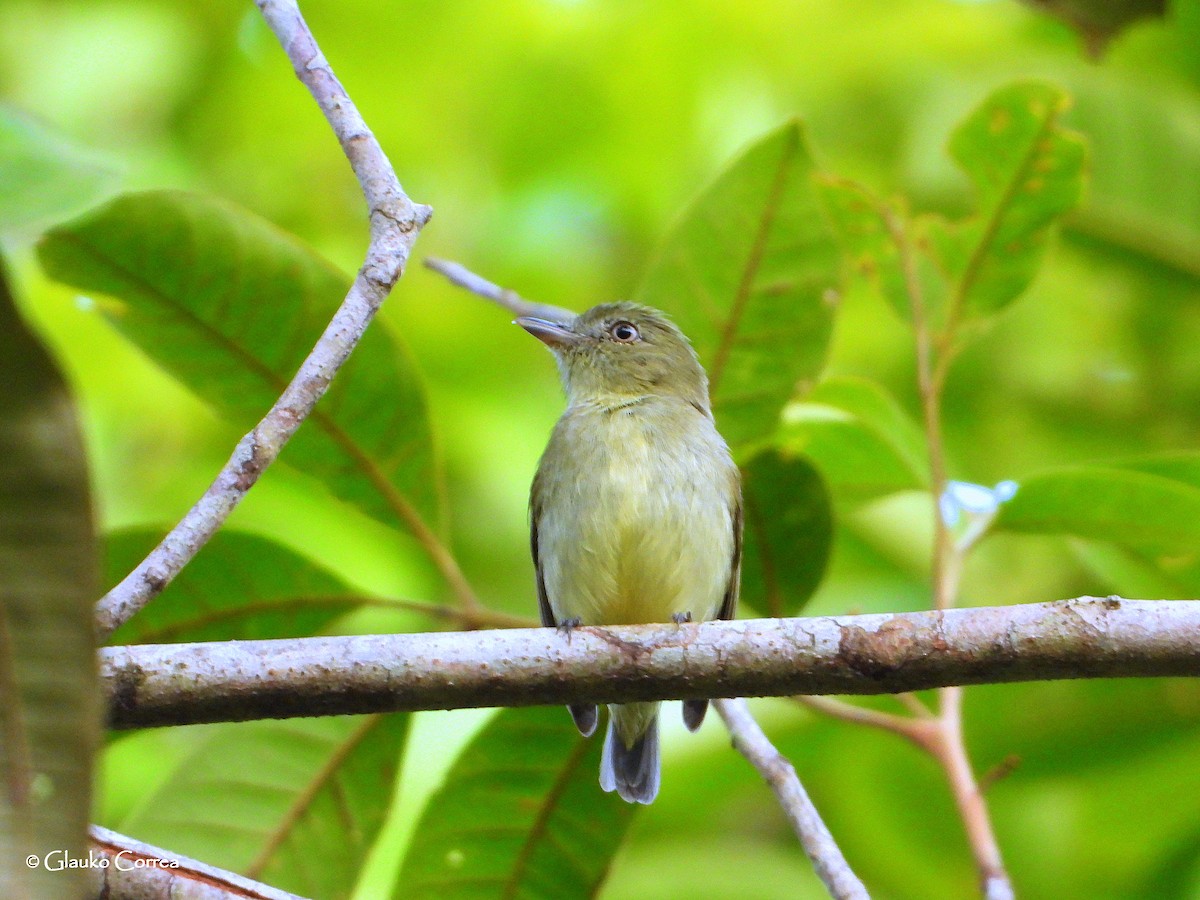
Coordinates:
[649,537]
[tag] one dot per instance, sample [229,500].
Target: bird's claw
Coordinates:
[566,626]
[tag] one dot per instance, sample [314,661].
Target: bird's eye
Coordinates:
[625,332]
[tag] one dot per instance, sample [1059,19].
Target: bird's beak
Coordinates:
[554,335]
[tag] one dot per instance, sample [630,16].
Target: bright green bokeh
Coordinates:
[557,142]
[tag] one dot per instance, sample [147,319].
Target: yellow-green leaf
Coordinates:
[1027,171]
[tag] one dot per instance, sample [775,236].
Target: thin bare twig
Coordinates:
[132,869]
[870,654]
[395,222]
[931,390]
[914,705]
[951,752]
[945,741]
[827,859]
[512,301]
[916,730]
[465,619]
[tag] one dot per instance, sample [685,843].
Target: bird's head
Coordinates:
[617,352]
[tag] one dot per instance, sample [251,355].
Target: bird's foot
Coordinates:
[566,626]
[680,618]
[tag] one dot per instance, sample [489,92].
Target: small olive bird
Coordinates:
[636,508]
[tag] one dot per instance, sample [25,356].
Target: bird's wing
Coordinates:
[729,604]
[535,513]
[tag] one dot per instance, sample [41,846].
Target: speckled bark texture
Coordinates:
[873,654]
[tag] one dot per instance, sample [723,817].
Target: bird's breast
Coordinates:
[635,519]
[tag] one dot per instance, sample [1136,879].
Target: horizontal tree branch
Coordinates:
[1089,637]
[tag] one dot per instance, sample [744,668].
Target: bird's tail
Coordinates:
[630,763]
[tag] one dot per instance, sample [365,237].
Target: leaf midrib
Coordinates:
[541,822]
[753,260]
[306,797]
[362,460]
[992,226]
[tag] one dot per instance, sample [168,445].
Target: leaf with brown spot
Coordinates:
[1027,171]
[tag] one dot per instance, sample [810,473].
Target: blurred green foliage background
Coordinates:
[557,140]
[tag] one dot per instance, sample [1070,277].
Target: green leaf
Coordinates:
[231,306]
[43,177]
[864,444]
[1148,513]
[1160,577]
[1099,21]
[1130,575]
[861,222]
[240,585]
[1183,466]
[49,717]
[788,532]
[295,803]
[1144,189]
[520,815]
[1027,171]
[747,275]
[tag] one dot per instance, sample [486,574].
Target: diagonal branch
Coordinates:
[395,222]
[177,684]
[130,869]
[462,277]
[831,867]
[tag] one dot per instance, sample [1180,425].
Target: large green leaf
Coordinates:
[1146,512]
[296,803]
[1027,171]
[747,275]
[43,177]
[49,715]
[520,815]
[240,586]
[788,532]
[231,305]
[864,444]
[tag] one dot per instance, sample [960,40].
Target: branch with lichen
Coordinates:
[395,222]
